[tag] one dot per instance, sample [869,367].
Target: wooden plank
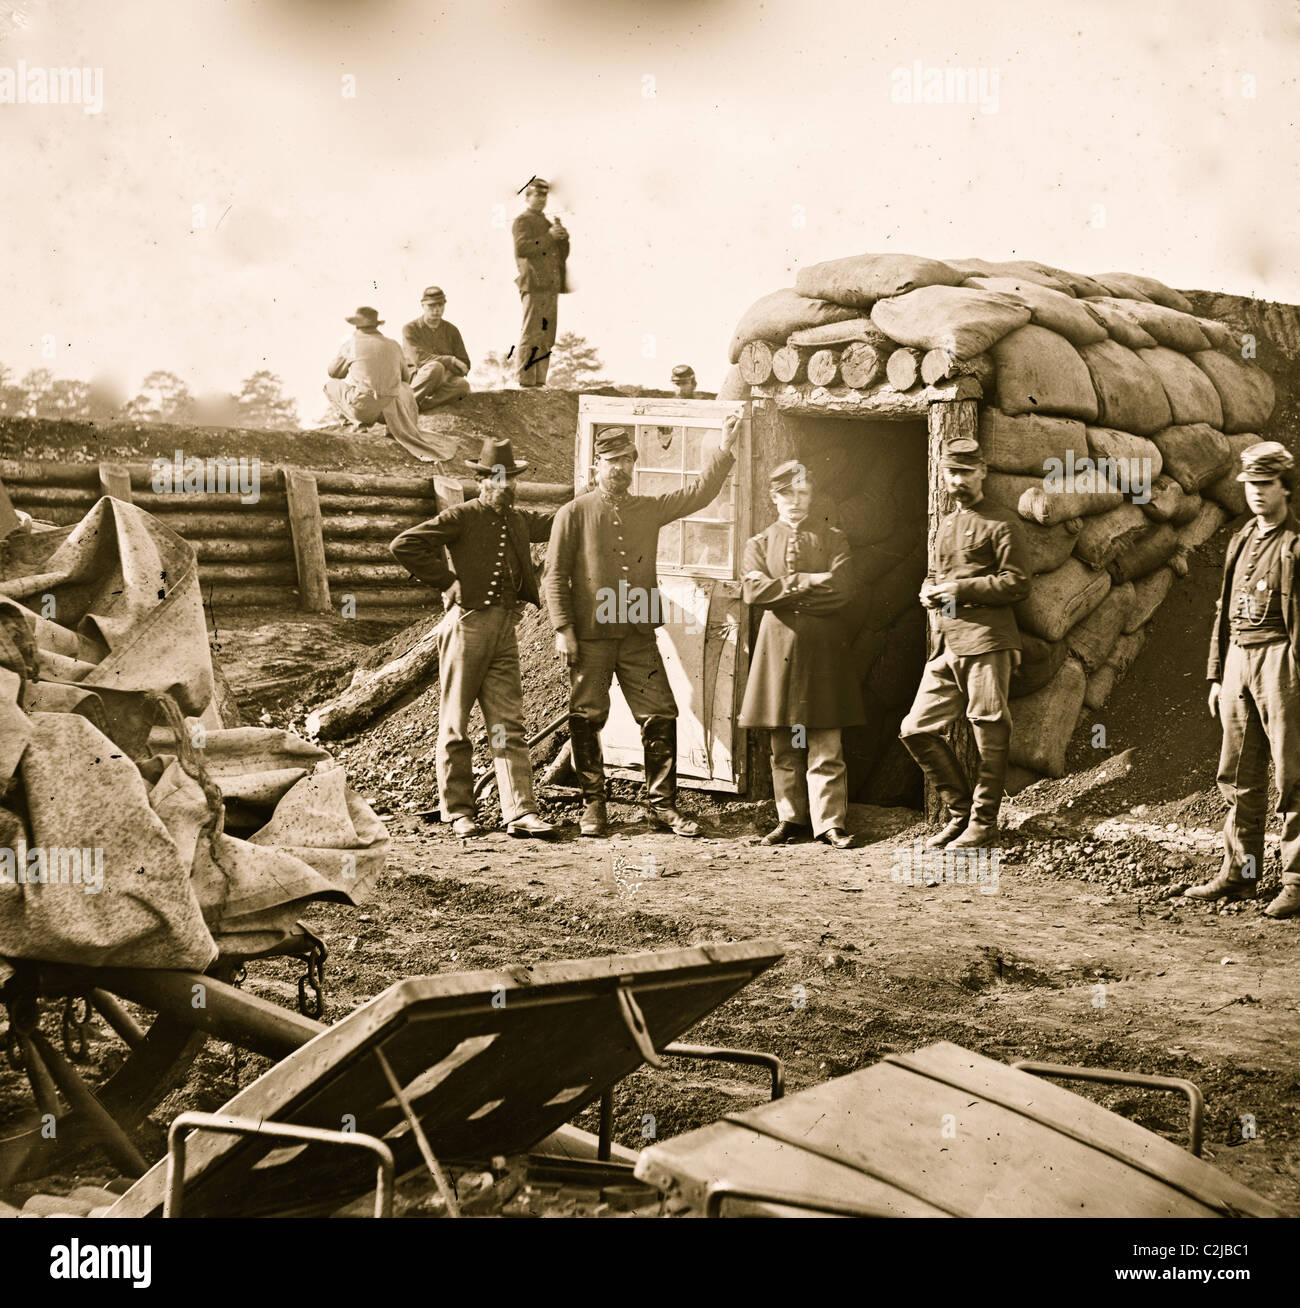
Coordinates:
[1072,1114]
[308,540]
[961,1152]
[115,480]
[844,402]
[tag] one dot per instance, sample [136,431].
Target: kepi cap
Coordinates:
[538,184]
[614,441]
[1265,461]
[683,372]
[961,452]
[788,476]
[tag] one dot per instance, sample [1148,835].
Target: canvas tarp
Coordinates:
[148,835]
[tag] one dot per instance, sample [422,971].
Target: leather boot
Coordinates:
[1286,904]
[589,764]
[944,773]
[659,746]
[993,740]
[1224,886]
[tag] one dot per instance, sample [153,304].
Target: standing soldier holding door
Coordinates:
[1254,675]
[602,592]
[541,251]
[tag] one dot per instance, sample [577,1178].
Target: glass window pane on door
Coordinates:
[657,483]
[708,545]
[670,545]
[700,443]
[659,447]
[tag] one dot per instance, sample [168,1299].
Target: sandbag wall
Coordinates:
[246,552]
[1070,370]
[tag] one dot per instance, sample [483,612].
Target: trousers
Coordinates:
[1259,707]
[642,678]
[354,402]
[810,782]
[478,662]
[952,684]
[433,383]
[536,336]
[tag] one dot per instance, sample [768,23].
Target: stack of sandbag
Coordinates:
[1112,422]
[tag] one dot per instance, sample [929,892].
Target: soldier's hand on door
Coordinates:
[1215,691]
[730,428]
[566,645]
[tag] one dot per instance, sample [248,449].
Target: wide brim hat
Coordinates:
[497,455]
[365,316]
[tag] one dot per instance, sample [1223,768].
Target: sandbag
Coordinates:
[1129,394]
[1227,491]
[1189,507]
[1136,461]
[1191,394]
[1202,527]
[1167,499]
[775,316]
[1057,600]
[1046,548]
[1099,687]
[1148,595]
[1038,499]
[734,386]
[835,333]
[1092,640]
[1219,334]
[1039,662]
[1133,286]
[1102,536]
[1246,392]
[960,321]
[862,279]
[1180,331]
[1126,650]
[1194,454]
[1121,324]
[1144,554]
[1041,372]
[1080,283]
[1044,721]
[1013,269]
[1058,311]
[1022,443]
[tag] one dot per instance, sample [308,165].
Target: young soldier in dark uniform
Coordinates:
[978,572]
[489,578]
[602,592]
[1254,674]
[801,680]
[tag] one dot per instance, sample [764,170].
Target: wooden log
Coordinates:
[276,573]
[115,480]
[358,551]
[862,365]
[364,483]
[417,597]
[358,574]
[307,529]
[426,507]
[843,402]
[939,365]
[43,495]
[947,420]
[47,472]
[756,362]
[381,525]
[243,551]
[371,691]
[790,363]
[904,368]
[229,526]
[168,502]
[824,367]
[227,596]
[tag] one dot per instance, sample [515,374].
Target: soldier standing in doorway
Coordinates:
[541,251]
[978,572]
[1254,675]
[602,593]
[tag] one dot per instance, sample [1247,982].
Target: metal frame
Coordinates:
[218,1122]
[1147,1081]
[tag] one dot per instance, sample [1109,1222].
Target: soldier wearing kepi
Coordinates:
[1254,675]
[602,592]
[801,681]
[477,552]
[977,573]
[541,252]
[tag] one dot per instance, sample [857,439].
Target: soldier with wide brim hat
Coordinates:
[496,457]
[365,316]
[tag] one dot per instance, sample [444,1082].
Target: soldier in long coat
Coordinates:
[802,684]
[541,251]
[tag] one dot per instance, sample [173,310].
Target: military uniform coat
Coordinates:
[802,669]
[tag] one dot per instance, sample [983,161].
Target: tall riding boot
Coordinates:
[993,740]
[944,773]
[589,764]
[659,745]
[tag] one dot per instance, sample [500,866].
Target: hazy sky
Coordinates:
[699,154]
